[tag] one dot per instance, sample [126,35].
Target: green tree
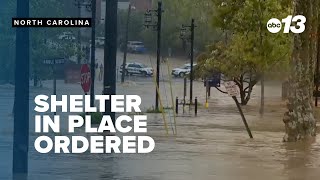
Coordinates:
[7,42]
[38,38]
[180,12]
[248,49]
[44,41]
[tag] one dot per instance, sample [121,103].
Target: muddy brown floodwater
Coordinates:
[212,146]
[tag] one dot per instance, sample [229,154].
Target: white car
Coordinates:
[182,71]
[137,68]
[66,36]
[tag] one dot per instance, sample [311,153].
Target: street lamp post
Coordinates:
[90,6]
[93,51]
[184,35]
[157,26]
[21,97]
[79,4]
[126,45]
[110,53]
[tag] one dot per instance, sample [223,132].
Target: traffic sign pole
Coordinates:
[233,92]
[242,116]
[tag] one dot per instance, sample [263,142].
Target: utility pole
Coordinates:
[110,53]
[157,27]
[79,4]
[189,36]
[159,14]
[191,70]
[79,34]
[21,97]
[126,45]
[93,51]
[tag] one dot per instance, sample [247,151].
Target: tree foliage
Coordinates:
[248,49]
[39,37]
[175,14]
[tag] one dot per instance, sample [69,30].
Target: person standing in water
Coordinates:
[101,72]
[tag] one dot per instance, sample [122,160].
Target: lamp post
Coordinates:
[148,20]
[21,97]
[93,51]
[79,4]
[126,43]
[90,6]
[189,36]
[110,53]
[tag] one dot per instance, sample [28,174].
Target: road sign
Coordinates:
[54,61]
[214,81]
[231,88]
[85,78]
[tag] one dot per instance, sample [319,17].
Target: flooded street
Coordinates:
[214,145]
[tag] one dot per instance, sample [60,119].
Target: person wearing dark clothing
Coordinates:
[101,72]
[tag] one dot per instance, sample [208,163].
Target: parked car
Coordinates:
[137,68]
[182,71]
[66,36]
[136,47]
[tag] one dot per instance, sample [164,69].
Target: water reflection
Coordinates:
[214,145]
[302,160]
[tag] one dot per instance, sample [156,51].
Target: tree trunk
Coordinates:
[299,120]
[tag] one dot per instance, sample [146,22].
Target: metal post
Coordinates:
[126,45]
[184,92]
[207,92]
[242,116]
[110,53]
[79,34]
[191,70]
[196,106]
[54,80]
[177,105]
[21,97]
[159,14]
[93,51]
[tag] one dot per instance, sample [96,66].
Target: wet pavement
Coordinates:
[213,145]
